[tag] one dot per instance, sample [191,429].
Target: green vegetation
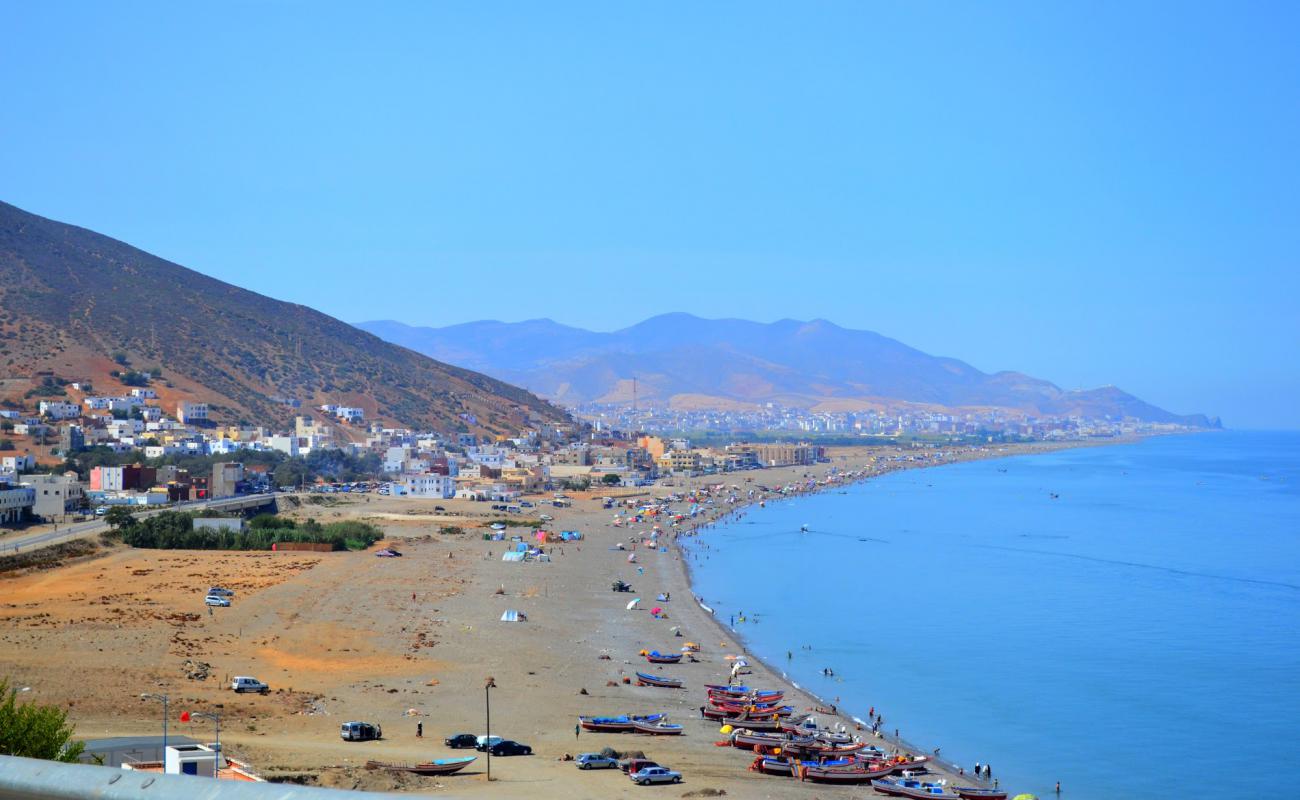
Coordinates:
[451,530]
[48,387]
[611,479]
[118,516]
[513,523]
[6,444]
[133,378]
[174,530]
[34,731]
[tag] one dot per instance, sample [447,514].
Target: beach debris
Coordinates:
[706,792]
[431,682]
[582,691]
[611,683]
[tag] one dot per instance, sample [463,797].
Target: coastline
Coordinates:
[769,676]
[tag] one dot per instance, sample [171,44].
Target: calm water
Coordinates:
[1137,637]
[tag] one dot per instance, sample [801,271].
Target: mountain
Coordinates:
[75,305]
[686,361]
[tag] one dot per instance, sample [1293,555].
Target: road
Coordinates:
[78,530]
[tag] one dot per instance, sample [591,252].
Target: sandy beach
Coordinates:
[398,641]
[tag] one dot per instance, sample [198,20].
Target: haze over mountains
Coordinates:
[71,299]
[689,362]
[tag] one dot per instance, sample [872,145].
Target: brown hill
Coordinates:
[71,300]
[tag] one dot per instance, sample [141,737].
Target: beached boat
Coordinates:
[910,787]
[656,657]
[656,728]
[903,765]
[620,724]
[441,766]
[742,694]
[658,680]
[850,773]
[975,793]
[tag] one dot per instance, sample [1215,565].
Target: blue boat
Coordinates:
[658,680]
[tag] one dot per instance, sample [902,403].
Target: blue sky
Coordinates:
[1092,193]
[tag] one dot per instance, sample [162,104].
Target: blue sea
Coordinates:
[1135,635]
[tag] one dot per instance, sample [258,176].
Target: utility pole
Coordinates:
[488,686]
[163,698]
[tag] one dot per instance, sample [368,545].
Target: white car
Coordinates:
[217,600]
[243,683]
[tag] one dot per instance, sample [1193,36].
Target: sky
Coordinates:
[1092,193]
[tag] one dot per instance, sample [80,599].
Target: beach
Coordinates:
[399,641]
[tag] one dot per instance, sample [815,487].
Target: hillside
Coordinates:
[687,361]
[71,300]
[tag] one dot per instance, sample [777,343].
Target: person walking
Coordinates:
[577,730]
[419,730]
[979,769]
[1058,788]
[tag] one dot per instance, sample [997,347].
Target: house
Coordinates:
[16,464]
[122,479]
[428,484]
[189,413]
[71,439]
[286,444]
[55,495]
[144,394]
[150,413]
[56,409]
[16,503]
[226,477]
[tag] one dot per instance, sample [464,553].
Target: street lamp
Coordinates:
[186,716]
[163,698]
[488,686]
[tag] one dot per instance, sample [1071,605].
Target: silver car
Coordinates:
[655,775]
[595,761]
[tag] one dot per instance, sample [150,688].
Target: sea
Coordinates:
[1123,619]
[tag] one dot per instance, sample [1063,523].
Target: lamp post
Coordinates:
[163,698]
[488,686]
[186,716]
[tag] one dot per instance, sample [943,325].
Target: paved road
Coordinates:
[34,541]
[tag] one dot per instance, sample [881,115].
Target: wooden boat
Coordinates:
[656,728]
[847,774]
[772,765]
[806,748]
[620,724]
[975,793]
[742,694]
[918,763]
[441,766]
[910,787]
[643,679]
[656,657]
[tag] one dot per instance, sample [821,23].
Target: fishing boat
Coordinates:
[620,724]
[441,766]
[656,728]
[903,765]
[975,793]
[643,679]
[910,787]
[846,774]
[656,657]
[740,694]
[812,748]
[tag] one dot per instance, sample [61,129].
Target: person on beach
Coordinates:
[577,730]
[419,730]
[978,768]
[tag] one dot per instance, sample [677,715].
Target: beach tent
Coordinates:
[513,616]
[521,547]
[513,555]
[633,604]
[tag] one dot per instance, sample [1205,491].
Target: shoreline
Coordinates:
[759,664]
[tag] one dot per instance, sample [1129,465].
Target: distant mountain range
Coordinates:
[689,362]
[75,304]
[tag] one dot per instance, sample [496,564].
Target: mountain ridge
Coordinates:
[71,300]
[794,362]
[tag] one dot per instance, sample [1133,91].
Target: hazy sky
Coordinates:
[1092,192]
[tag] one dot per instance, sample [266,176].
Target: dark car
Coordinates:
[461,741]
[511,748]
[636,765]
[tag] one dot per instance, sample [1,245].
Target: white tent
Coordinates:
[513,616]
[513,556]
[634,604]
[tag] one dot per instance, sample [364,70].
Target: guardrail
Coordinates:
[32,779]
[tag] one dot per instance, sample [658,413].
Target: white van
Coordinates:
[243,683]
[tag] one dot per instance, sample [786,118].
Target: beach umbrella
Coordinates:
[634,604]
[656,610]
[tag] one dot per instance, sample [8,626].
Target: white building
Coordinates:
[56,409]
[15,502]
[287,444]
[144,394]
[189,413]
[428,485]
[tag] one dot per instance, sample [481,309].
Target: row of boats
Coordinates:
[796,746]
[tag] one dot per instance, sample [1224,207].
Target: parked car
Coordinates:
[217,600]
[360,732]
[461,741]
[510,748]
[636,764]
[243,683]
[595,761]
[655,775]
[218,591]
[481,742]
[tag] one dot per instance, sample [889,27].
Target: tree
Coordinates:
[35,731]
[611,479]
[119,517]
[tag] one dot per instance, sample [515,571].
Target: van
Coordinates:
[360,732]
[243,683]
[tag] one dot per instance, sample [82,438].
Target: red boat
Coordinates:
[828,773]
[974,793]
[656,657]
